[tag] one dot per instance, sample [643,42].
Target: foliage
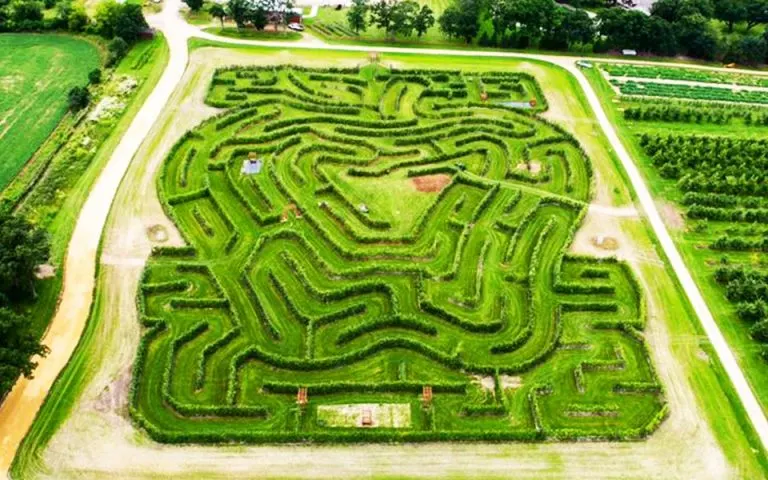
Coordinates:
[17,347]
[79,98]
[460,19]
[194,5]
[217,11]
[117,48]
[22,248]
[693,92]
[94,76]
[287,281]
[357,16]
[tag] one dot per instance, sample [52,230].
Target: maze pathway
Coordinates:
[363,237]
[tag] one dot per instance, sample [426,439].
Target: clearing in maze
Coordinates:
[379,239]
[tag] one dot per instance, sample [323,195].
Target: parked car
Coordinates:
[296,27]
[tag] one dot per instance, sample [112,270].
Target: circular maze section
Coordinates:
[377,255]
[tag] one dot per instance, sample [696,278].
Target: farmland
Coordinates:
[36,72]
[394,248]
[708,161]
[688,74]
[692,92]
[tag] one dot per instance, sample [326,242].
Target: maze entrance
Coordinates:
[333,279]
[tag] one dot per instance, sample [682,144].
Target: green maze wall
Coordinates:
[288,281]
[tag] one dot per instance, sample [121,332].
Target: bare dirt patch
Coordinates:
[431,183]
[534,168]
[605,242]
[671,216]
[290,208]
[509,381]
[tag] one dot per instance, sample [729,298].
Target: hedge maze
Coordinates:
[385,237]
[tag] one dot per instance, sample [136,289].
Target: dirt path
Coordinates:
[661,456]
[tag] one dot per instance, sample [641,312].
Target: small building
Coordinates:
[252,166]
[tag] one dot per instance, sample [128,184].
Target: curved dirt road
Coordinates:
[18,411]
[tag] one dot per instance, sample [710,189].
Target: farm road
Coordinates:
[18,411]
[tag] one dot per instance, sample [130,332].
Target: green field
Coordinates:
[690,92]
[36,72]
[710,160]
[688,74]
[336,270]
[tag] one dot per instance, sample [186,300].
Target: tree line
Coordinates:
[22,248]
[674,27]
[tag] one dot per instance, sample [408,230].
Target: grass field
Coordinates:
[56,181]
[708,162]
[68,424]
[36,72]
[388,244]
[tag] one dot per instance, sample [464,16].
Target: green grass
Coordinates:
[251,34]
[52,192]
[715,397]
[695,238]
[36,73]
[687,74]
[739,428]
[422,288]
[690,92]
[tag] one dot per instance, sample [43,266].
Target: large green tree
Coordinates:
[357,16]
[22,248]
[217,11]
[731,12]
[194,5]
[403,15]
[423,20]
[383,15]
[460,19]
[17,347]
[130,22]
[757,13]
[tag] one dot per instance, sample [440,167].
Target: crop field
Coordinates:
[691,92]
[688,74]
[379,255]
[710,161]
[36,72]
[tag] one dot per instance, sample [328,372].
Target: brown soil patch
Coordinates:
[291,207]
[605,243]
[45,271]
[157,233]
[533,167]
[672,216]
[431,183]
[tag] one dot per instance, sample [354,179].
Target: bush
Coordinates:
[79,98]
[94,77]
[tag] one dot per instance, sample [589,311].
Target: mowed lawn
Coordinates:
[36,72]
